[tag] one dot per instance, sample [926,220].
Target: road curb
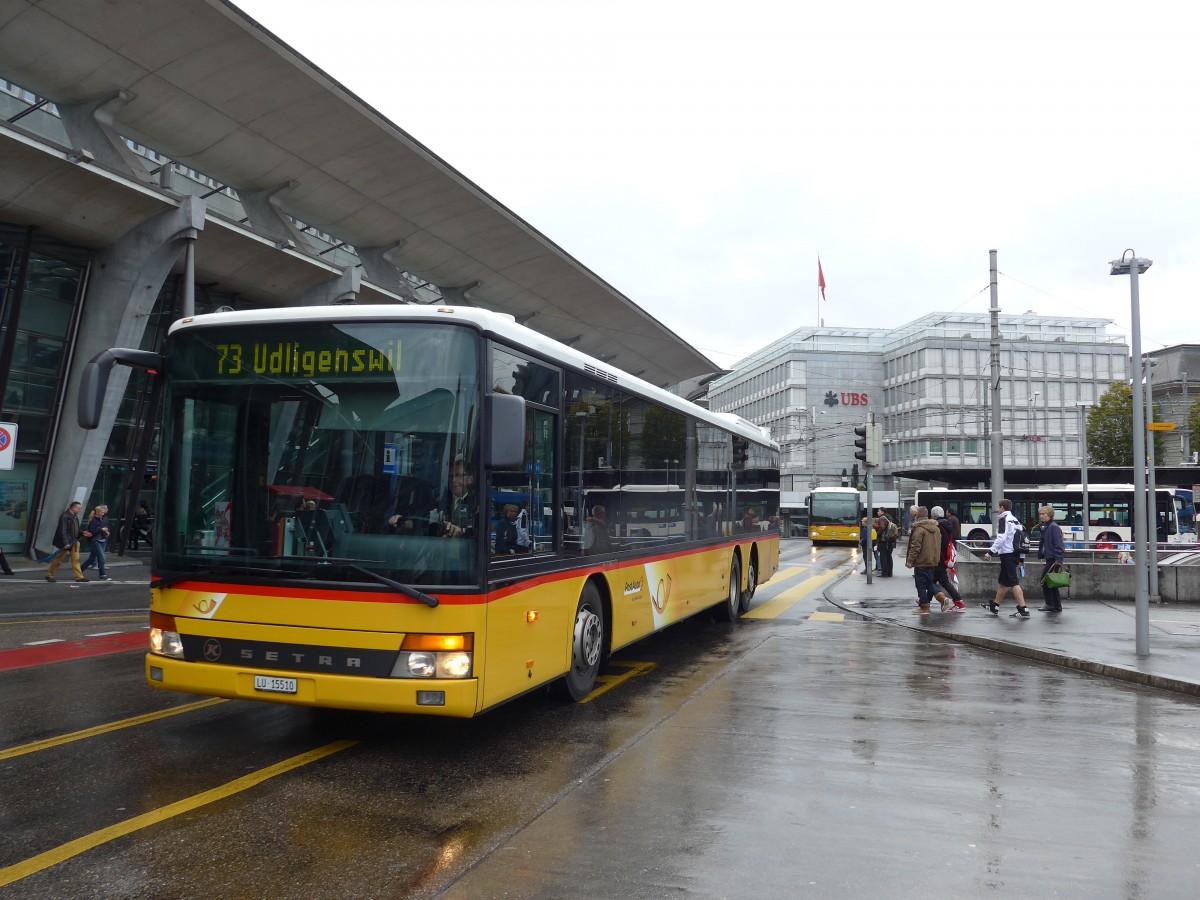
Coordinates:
[1091,667]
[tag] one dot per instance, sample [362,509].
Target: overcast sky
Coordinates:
[698,155]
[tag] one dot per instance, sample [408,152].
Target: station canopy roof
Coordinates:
[211,89]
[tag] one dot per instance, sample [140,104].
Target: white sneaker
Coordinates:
[105,578]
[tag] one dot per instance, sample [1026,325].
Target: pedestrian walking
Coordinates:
[4,566]
[946,577]
[885,530]
[97,532]
[1007,546]
[1050,549]
[66,539]
[924,549]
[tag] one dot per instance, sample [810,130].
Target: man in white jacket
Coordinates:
[1005,546]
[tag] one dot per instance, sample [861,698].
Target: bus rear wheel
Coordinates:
[751,584]
[732,607]
[587,646]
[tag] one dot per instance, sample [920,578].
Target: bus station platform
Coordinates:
[1094,636]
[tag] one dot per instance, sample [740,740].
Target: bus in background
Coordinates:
[835,515]
[1185,511]
[402,428]
[1110,516]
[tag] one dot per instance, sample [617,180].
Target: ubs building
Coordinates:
[928,384]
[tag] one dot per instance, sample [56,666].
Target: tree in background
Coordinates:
[1110,429]
[1194,426]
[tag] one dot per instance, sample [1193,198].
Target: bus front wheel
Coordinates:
[587,646]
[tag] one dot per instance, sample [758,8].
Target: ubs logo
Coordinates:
[212,649]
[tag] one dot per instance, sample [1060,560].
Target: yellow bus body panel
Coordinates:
[522,634]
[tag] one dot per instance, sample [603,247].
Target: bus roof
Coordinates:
[501,325]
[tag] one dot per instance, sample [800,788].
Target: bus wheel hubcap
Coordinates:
[586,647]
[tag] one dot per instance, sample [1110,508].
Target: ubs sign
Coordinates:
[845,398]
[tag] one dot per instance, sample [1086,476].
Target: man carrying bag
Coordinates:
[1051,549]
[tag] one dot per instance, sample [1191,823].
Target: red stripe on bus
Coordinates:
[471,599]
[68,650]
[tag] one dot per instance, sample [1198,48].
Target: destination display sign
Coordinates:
[293,358]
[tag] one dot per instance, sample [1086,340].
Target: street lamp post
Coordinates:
[1083,474]
[1033,423]
[1132,265]
[1148,365]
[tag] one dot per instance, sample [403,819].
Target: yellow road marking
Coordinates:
[793,595]
[104,729]
[827,617]
[607,682]
[90,841]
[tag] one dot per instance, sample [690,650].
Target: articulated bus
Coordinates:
[324,532]
[1109,519]
[835,515]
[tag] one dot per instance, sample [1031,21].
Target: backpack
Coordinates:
[1021,542]
[893,533]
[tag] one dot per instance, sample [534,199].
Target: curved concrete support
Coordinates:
[125,280]
[90,127]
[268,218]
[384,272]
[343,289]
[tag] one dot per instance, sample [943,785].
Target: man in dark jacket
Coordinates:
[67,541]
[1050,549]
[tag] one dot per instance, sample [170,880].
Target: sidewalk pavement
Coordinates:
[28,568]
[1089,635]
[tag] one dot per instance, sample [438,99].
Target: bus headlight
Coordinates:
[166,643]
[164,639]
[435,656]
[429,664]
[421,665]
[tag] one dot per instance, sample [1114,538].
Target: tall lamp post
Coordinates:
[1033,423]
[1083,474]
[1132,265]
[1148,365]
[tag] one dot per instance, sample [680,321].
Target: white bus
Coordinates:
[1109,518]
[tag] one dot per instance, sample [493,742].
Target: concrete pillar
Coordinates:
[125,279]
[457,296]
[89,126]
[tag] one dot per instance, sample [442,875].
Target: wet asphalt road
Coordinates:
[798,755]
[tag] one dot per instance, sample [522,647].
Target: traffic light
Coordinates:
[869,441]
[860,442]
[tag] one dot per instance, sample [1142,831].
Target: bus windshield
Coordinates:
[835,509]
[332,451]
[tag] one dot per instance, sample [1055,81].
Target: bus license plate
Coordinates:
[275,685]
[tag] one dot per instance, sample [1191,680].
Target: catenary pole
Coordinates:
[997,436]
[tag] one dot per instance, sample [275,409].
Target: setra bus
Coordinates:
[1109,520]
[321,538]
[835,515]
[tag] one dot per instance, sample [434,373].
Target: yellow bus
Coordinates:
[835,515]
[327,531]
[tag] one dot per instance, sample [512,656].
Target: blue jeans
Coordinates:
[926,579]
[97,558]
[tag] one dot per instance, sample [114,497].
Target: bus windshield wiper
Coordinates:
[404,589]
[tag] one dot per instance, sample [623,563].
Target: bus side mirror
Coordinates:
[95,379]
[506,412]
